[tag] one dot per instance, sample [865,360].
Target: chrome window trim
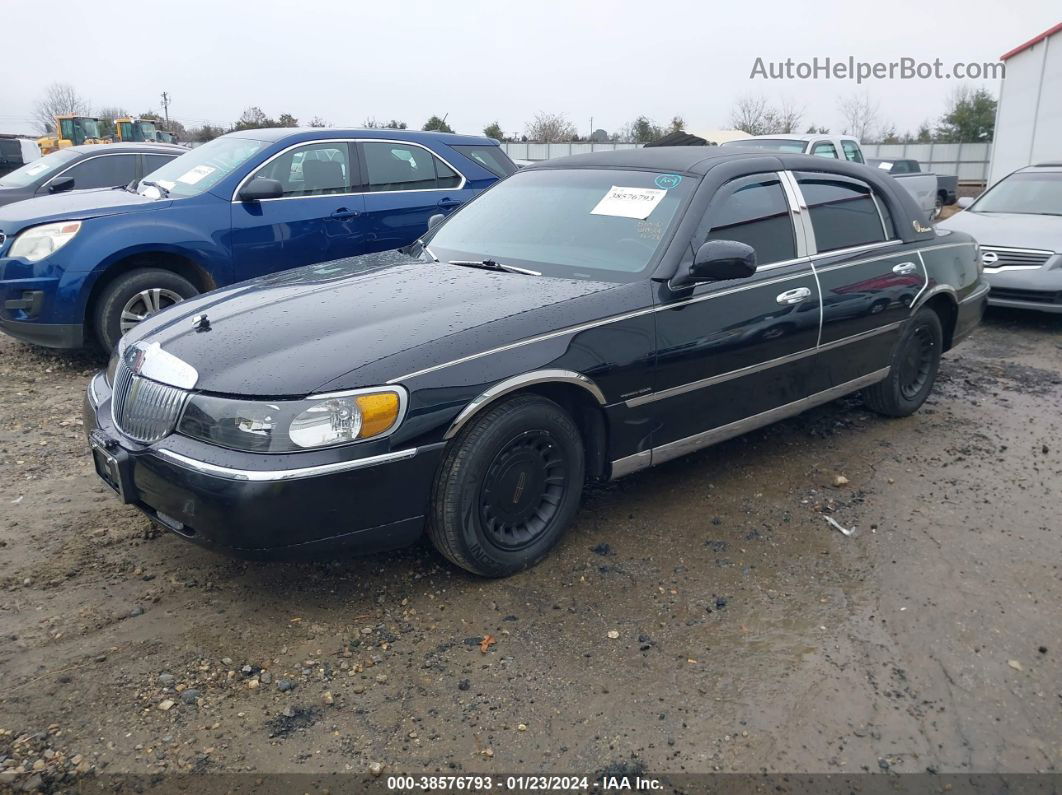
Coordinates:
[272,475]
[503,388]
[263,164]
[730,375]
[690,444]
[77,163]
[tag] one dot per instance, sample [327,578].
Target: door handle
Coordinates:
[448,202]
[343,212]
[905,268]
[794,296]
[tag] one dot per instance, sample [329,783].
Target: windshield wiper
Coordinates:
[164,191]
[491,265]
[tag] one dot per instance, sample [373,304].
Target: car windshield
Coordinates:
[774,144]
[200,169]
[1028,192]
[38,169]
[575,223]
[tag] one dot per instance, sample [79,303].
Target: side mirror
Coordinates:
[435,220]
[719,260]
[61,185]
[261,188]
[965,201]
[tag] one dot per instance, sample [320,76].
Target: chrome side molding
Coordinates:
[680,447]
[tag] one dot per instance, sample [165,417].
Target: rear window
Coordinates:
[491,158]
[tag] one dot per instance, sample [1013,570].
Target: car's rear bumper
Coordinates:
[971,310]
[378,504]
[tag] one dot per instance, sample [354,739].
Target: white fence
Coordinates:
[967,161]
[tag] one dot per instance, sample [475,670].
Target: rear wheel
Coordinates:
[508,487]
[914,368]
[135,296]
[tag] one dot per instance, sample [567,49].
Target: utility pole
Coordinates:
[166,106]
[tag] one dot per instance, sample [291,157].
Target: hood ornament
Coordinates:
[201,323]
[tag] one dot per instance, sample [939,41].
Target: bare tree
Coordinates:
[860,115]
[754,115]
[788,117]
[317,121]
[58,100]
[550,128]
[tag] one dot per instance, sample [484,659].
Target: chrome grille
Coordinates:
[1010,257]
[143,409]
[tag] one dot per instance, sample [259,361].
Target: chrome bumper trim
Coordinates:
[270,475]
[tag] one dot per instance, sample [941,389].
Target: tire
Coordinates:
[522,458]
[914,368]
[135,292]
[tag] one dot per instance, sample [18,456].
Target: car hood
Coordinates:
[1017,230]
[76,205]
[361,322]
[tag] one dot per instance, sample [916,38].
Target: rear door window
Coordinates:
[753,210]
[393,166]
[844,212]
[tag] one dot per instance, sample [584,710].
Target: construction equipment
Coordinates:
[164,137]
[71,130]
[132,130]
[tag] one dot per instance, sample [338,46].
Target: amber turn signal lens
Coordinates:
[378,413]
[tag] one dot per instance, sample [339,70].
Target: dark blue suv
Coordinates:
[92,264]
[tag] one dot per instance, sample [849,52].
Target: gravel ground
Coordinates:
[703,616]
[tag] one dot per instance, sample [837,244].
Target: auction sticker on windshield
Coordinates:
[193,175]
[629,202]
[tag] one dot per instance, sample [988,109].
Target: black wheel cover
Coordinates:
[523,489]
[916,362]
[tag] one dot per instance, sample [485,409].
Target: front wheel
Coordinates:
[135,296]
[914,368]
[508,487]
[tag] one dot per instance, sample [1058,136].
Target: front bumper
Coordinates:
[1038,289]
[50,335]
[270,513]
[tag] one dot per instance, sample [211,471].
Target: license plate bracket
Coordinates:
[113,466]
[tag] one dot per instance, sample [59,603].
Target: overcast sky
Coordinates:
[480,61]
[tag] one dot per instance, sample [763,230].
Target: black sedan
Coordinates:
[583,319]
[83,167]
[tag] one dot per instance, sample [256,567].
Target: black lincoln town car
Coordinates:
[584,319]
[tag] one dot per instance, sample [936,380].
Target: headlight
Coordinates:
[37,243]
[285,426]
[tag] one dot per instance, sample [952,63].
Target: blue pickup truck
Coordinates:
[89,265]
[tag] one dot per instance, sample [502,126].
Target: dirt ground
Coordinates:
[702,616]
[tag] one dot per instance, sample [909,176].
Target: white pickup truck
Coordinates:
[923,187]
